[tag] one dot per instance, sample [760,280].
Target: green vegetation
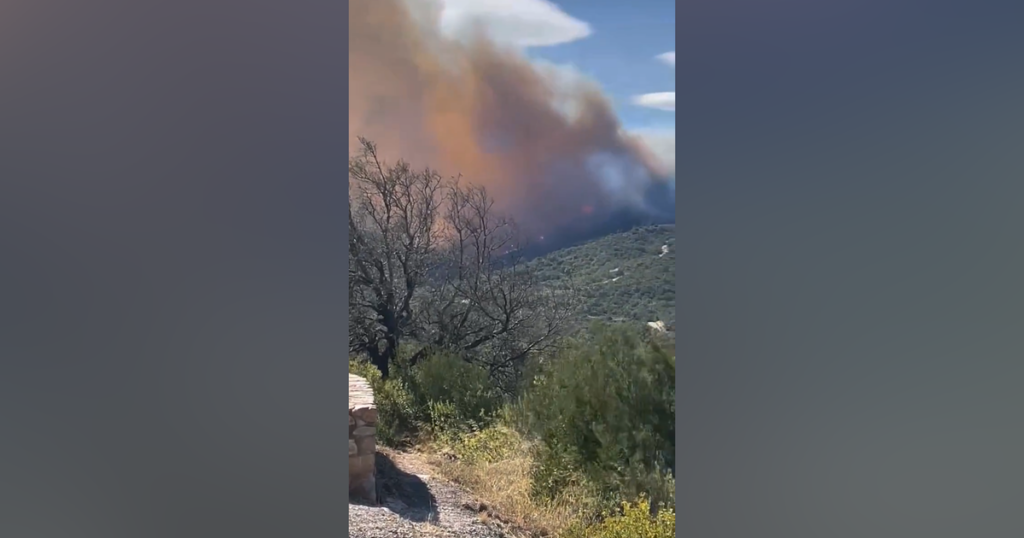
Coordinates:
[622,277]
[593,429]
[534,383]
[634,521]
[605,409]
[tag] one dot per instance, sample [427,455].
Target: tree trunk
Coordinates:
[382,360]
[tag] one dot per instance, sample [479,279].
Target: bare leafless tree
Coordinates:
[486,302]
[393,231]
[458,281]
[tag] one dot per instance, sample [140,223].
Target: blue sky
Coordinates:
[624,46]
[621,53]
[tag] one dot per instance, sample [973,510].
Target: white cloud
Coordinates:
[522,23]
[660,100]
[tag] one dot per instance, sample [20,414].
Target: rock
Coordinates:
[657,325]
[362,417]
[475,506]
[364,431]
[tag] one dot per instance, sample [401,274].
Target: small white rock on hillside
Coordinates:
[657,325]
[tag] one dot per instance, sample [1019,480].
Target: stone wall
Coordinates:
[362,440]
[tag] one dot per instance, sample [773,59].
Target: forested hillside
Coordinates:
[627,276]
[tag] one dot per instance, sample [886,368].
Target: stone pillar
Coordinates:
[362,440]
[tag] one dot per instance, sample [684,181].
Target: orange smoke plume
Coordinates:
[476,109]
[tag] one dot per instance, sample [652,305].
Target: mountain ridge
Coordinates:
[626,276]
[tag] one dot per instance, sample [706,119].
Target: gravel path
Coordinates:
[415,502]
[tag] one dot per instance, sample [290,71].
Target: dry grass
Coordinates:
[503,485]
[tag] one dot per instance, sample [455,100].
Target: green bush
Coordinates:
[441,395]
[455,397]
[396,410]
[490,445]
[604,413]
[443,422]
[634,521]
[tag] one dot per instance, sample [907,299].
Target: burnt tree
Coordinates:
[434,263]
[393,231]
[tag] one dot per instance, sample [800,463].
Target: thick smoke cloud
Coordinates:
[548,146]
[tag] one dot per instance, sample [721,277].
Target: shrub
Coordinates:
[634,521]
[456,397]
[490,445]
[396,408]
[443,422]
[604,412]
[496,465]
[441,395]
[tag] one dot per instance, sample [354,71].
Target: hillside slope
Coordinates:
[628,276]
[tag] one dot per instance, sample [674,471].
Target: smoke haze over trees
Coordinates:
[432,262]
[546,145]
